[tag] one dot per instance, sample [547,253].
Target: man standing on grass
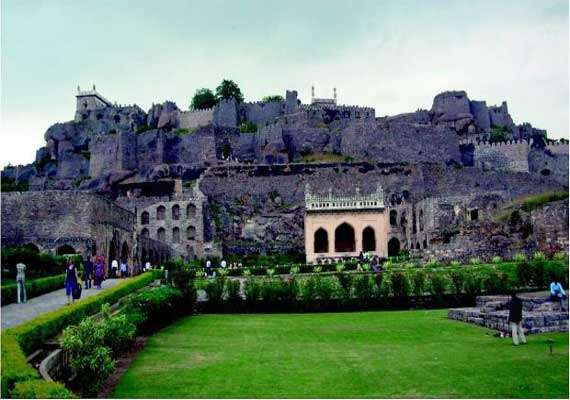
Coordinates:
[515,320]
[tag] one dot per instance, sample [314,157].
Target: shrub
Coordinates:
[34,288]
[248,127]
[400,285]
[15,368]
[433,263]
[252,290]
[203,98]
[539,277]
[309,289]
[533,202]
[289,289]
[345,283]
[183,280]
[455,263]
[472,284]
[155,306]
[363,289]
[30,335]
[519,257]
[91,345]
[41,389]
[496,260]
[539,256]
[457,280]
[496,283]
[215,289]
[560,255]
[438,284]
[524,273]
[233,290]
[270,291]
[324,288]
[419,282]
[475,261]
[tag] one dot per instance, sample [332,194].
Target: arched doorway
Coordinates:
[125,252]
[161,234]
[65,249]
[368,239]
[145,218]
[321,242]
[344,239]
[393,247]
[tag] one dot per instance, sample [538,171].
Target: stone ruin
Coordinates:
[444,182]
[540,315]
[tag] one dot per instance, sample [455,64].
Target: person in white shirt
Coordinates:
[114,268]
[223,264]
[147,266]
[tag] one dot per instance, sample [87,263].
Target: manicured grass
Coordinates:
[360,354]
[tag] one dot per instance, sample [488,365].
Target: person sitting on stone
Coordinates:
[557,293]
[374,264]
[515,320]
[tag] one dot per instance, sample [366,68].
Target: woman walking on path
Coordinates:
[71,280]
[99,273]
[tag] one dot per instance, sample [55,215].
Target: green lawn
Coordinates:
[364,354]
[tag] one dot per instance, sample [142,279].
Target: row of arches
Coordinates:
[161,234]
[344,239]
[403,221]
[174,212]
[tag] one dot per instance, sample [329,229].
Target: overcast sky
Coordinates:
[391,55]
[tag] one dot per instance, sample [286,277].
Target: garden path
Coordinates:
[15,314]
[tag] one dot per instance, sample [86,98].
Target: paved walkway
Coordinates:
[15,314]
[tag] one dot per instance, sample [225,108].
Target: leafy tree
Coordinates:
[229,89]
[203,98]
[248,127]
[498,134]
[269,99]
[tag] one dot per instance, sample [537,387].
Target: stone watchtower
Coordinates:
[87,101]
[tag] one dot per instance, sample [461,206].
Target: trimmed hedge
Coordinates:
[27,337]
[34,288]
[40,389]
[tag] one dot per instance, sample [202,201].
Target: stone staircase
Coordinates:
[539,313]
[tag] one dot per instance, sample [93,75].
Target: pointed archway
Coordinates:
[368,239]
[321,241]
[344,239]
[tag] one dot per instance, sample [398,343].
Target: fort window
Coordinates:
[393,247]
[321,241]
[117,119]
[145,216]
[161,234]
[191,211]
[368,239]
[425,244]
[191,233]
[65,249]
[160,212]
[344,239]
[144,233]
[393,217]
[176,212]
[176,235]
[474,215]
[414,223]
[421,220]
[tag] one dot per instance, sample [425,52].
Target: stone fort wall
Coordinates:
[196,118]
[507,156]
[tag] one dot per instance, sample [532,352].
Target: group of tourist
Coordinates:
[93,274]
[210,270]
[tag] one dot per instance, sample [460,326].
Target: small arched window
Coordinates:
[190,211]
[176,235]
[176,212]
[161,234]
[144,233]
[145,216]
[191,233]
[160,212]
[393,217]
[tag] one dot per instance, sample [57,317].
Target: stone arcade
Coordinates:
[338,227]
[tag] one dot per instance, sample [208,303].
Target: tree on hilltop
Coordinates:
[269,99]
[203,98]
[229,89]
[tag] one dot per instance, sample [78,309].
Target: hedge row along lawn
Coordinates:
[403,354]
[34,288]
[23,339]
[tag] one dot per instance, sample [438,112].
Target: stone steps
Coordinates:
[539,313]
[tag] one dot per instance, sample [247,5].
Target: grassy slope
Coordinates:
[366,354]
